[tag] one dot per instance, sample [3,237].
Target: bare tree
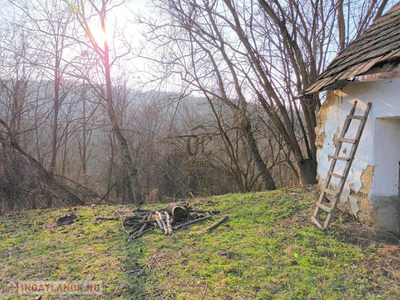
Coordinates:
[85,12]
[264,51]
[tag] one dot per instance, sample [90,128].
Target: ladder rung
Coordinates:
[350,141]
[341,157]
[335,175]
[355,117]
[316,221]
[326,208]
[328,191]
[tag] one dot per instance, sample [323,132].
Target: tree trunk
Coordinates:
[341,25]
[56,107]
[177,211]
[269,183]
[307,171]
[133,187]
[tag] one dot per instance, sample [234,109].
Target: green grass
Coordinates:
[85,250]
[267,249]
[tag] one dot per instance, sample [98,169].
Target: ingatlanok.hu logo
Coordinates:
[54,287]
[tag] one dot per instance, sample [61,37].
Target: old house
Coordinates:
[366,71]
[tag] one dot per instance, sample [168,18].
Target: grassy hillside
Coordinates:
[267,250]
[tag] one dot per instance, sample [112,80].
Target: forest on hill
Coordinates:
[120,102]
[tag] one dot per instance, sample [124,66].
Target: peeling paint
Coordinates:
[336,136]
[358,203]
[320,139]
[340,94]
[345,193]
[352,200]
[354,205]
[366,179]
[366,213]
[322,117]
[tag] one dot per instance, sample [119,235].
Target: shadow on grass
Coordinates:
[138,285]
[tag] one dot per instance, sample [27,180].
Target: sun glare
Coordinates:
[99,36]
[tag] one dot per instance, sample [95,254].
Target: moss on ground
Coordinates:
[267,250]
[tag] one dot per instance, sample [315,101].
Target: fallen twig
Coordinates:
[138,235]
[169,228]
[122,224]
[144,225]
[133,220]
[138,273]
[204,293]
[134,229]
[158,222]
[209,229]
[138,210]
[144,222]
[191,222]
[106,219]
[147,211]
[160,218]
[214,212]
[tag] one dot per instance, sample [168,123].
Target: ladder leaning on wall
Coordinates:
[320,205]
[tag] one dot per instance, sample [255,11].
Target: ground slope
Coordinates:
[267,250]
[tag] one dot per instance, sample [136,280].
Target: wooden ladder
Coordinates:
[330,207]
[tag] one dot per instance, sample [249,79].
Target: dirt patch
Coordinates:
[384,261]
[66,219]
[364,236]
[298,220]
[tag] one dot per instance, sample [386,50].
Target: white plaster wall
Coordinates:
[385,98]
[386,157]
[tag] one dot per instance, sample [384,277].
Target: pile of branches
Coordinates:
[171,218]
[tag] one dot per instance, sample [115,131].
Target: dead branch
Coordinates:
[106,219]
[147,211]
[160,218]
[122,224]
[134,229]
[169,228]
[145,221]
[214,212]
[209,229]
[191,222]
[144,225]
[42,170]
[137,235]
[159,223]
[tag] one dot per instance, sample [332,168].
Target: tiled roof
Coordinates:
[380,43]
